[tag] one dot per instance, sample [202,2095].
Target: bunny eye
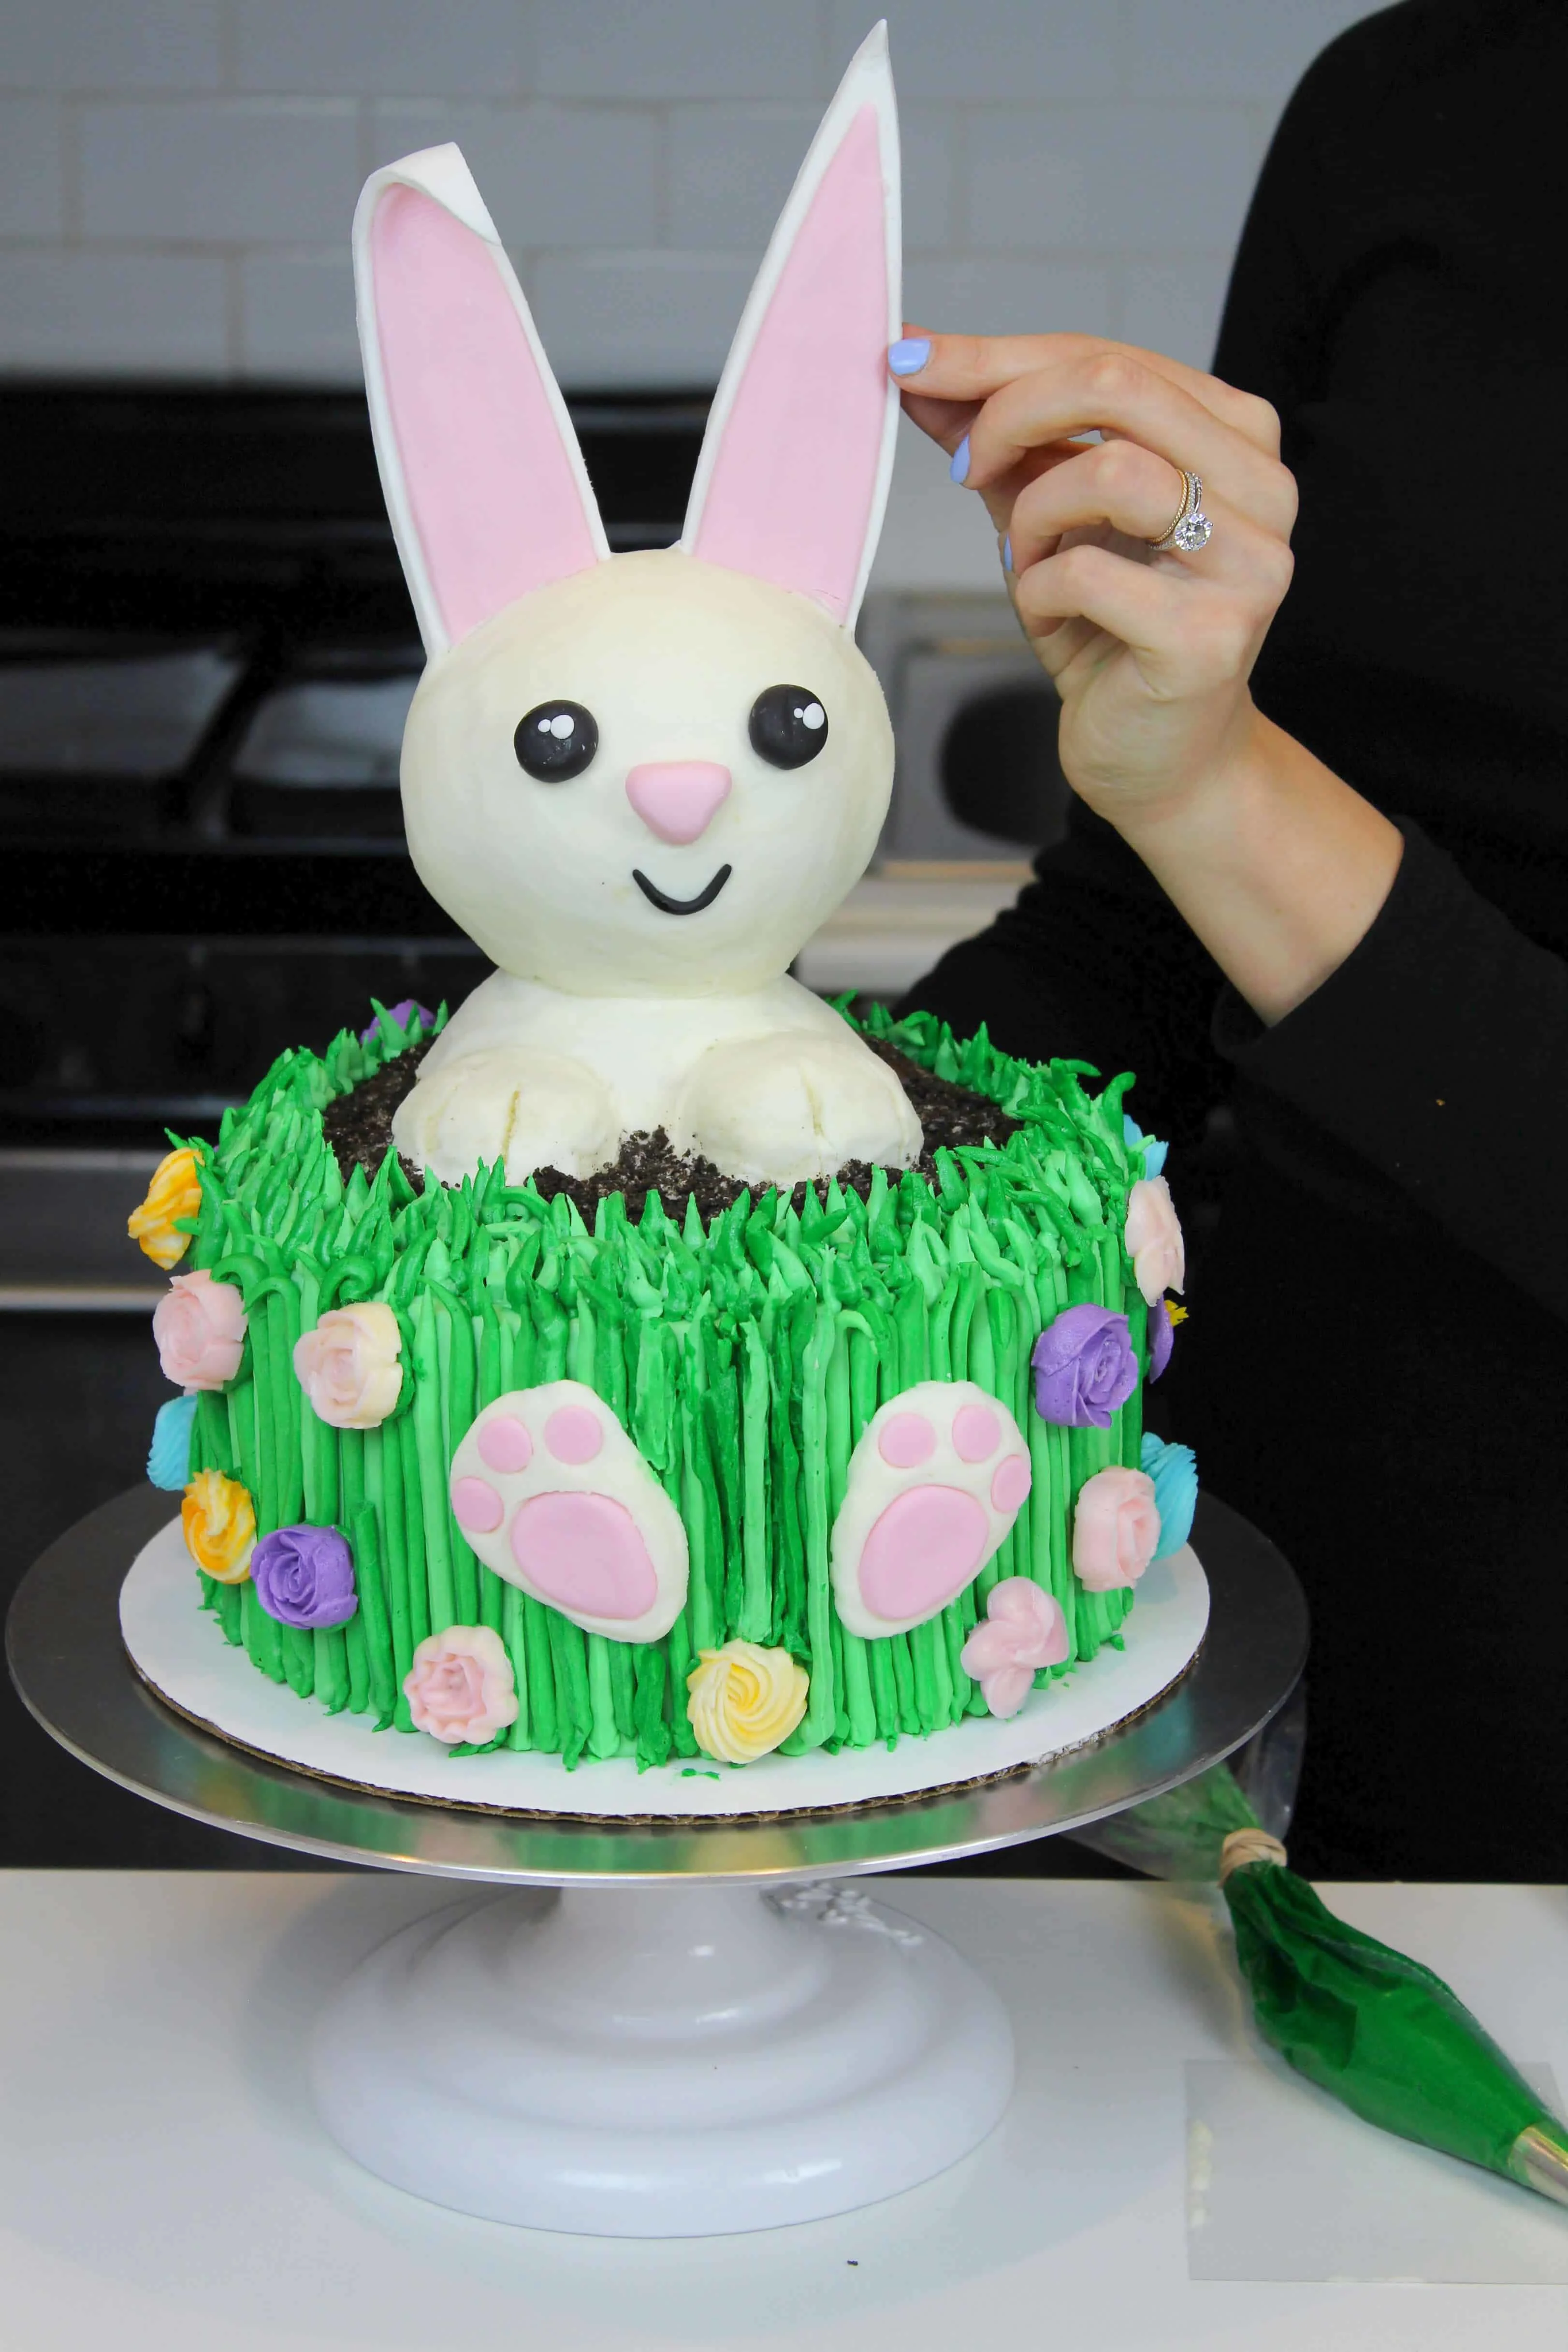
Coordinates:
[556,741]
[788,726]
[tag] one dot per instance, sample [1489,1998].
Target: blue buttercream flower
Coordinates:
[168,1456]
[1174,1470]
[1154,1151]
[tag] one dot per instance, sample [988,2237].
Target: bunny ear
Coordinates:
[483,477]
[792,478]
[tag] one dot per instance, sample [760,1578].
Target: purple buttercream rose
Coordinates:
[402,1013]
[1084,1367]
[1162,1338]
[305,1577]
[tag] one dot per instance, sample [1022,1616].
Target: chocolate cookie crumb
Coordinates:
[358,1126]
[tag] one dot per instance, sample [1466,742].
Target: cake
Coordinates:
[653,1361]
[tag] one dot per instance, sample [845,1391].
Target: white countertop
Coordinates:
[165,2184]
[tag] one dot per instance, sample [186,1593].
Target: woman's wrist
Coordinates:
[1275,863]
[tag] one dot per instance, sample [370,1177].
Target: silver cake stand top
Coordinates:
[63,1646]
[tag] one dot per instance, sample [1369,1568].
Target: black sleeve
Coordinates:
[1093,964]
[1438,1051]
[1270,328]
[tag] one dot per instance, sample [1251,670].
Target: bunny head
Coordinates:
[651,773]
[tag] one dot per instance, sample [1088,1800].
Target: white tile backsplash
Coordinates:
[551,175]
[731,168]
[1109,178]
[147,314]
[177,177]
[654,318]
[1037,296]
[241,171]
[295,316]
[375,48]
[102,45]
[950,50]
[1229,48]
[32,168]
[680,48]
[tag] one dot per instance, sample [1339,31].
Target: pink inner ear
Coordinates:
[491,487]
[789,499]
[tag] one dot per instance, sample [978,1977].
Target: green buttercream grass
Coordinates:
[744,1356]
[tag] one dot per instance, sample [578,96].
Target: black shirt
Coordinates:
[1374,1367]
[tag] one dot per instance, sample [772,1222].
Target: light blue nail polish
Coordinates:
[909,354]
[1007,552]
[959,469]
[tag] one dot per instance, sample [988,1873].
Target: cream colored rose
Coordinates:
[348,1365]
[1153,1238]
[744,1700]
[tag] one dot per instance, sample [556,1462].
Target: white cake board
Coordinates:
[178,1647]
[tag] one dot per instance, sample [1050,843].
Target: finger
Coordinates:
[1188,635]
[1121,487]
[974,367]
[1126,401]
[945,422]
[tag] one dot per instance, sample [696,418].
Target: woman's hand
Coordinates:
[1277,866]
[1150,654]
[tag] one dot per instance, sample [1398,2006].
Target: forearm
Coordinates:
[1277,866]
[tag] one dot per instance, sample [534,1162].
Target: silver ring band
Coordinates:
[1191,527]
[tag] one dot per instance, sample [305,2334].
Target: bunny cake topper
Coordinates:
[641,782]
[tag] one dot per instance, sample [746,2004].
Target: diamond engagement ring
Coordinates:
[1191,529]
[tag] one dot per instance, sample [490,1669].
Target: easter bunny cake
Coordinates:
[652,1361]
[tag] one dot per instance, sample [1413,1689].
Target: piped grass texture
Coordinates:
[744,1355]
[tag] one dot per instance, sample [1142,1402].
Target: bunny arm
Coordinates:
[773,1085]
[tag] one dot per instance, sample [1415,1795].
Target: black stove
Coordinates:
[206,654]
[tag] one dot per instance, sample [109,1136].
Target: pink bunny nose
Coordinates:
[678,799]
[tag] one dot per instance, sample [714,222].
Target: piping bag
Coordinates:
[1378,2032]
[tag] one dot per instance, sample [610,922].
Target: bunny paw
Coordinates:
[551,1494]
[935,1484]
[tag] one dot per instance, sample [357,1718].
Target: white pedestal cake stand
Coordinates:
[708,2031]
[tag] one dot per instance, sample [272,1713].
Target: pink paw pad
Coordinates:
[551,1494]
[477,1506]
[935,1484]
[574,1434]
[505,1444]
[584,1553]
[907,1440]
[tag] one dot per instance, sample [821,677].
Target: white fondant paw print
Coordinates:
[552,1495]
[531,1110]
[784,1109]
[935,1484]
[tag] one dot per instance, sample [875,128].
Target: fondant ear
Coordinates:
[483,477]
[793,479]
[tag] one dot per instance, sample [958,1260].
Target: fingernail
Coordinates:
[909,354]
[959,469]
[1007,552]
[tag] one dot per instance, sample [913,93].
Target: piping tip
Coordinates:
[1541,2161]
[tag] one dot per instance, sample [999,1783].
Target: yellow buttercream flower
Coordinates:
[744,1700]
[220,1520]
[1177,1314]
[176,1192]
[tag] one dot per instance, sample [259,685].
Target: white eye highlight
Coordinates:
[813,716]
[563,724]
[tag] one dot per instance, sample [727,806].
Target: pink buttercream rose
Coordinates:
[461,1686]
[348,1365]
[1115,1528]
[200,1332]
[1024,1630]
[1153,1238]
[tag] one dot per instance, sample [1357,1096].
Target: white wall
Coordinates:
[177,176]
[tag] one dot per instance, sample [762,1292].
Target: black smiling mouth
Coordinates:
[669,906]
